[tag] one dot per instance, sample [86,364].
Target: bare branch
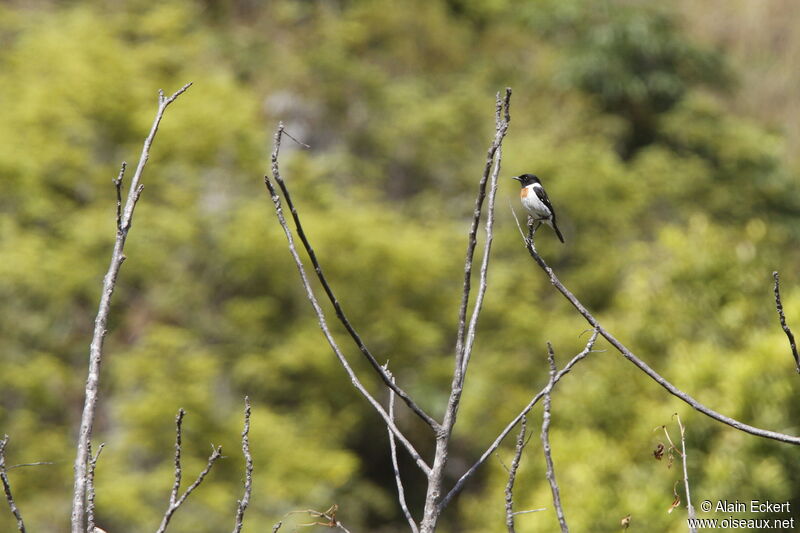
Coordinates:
[789,334]
[433,503]
[7,486]
[490,450]
[321,316]
[487,247]
[248,479]
[515,513]
[340,314]
[500,132]
[176,486]
[124,221]
[655,376]
[38,463]
[174,501]
[689,506]
[551,475]
[401,496]
[118,187]
[512,476]
[90,527]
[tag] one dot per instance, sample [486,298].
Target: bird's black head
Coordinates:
[526,179]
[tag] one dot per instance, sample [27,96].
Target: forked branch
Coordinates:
[644,367]
[340,314]
[174,500]
[124,222]
[511,425]
[276,200]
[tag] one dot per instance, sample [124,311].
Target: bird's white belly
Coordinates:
[535,206]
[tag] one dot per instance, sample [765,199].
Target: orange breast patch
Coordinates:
[523,193]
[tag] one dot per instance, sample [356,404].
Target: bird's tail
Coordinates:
[558,232]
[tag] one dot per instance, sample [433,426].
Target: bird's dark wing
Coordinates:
[545,200]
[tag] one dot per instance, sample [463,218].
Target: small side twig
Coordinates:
[682,453]
[401,496]
[329,516]
[174,501]
[551,475]
[37,463]
[511,425]
[118,187]
[248,479]
[7,486]
[90,528]
[789,334]
[512,475]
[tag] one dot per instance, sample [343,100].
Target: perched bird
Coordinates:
[536,202]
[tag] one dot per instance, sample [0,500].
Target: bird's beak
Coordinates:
[517,178]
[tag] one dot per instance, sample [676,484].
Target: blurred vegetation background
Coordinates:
[667,136]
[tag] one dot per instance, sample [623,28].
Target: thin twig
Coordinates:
[401,496]
[118,187]
[789,334]
[174,501]
[7,486]
[90,527]
[515,513]
[248,476]
[276,527]
[340,314]
[512,475]
[511,425]
[38,463]
[548,458]
[124,221]
[689,506]
[321,316]
[655,376]
[176,485]
[329,515]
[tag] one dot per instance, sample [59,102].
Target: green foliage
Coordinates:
[675,213]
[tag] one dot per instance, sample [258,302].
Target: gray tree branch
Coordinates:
[401,495]
[644,367]
[90,525]
[174,501]
[340,314]
[7,486]
[433,497]
[276,200]
[459,485]
[124,222]
[241,505]
[548,458]
[782,318]
[512,475]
